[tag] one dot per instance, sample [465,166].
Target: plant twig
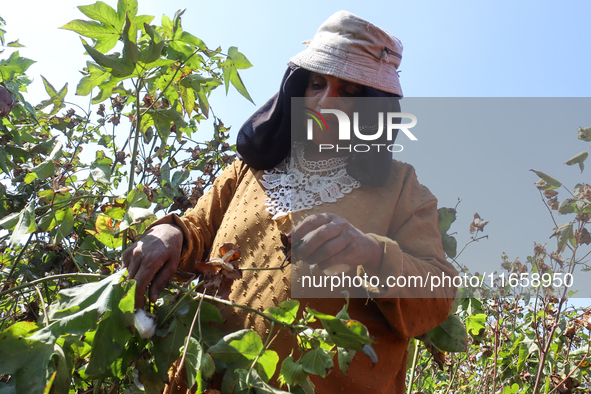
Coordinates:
[415,357]
[182,363]
[50,278]
[46,317]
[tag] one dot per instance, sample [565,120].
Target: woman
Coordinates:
[359,210]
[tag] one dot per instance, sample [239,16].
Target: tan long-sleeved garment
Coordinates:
[402,216]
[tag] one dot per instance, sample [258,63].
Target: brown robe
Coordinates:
[402,216]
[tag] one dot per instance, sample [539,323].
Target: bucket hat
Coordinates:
[354,49]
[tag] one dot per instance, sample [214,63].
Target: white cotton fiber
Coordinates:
[337,269]
[145,323]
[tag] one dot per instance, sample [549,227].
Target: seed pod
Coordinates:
[7,102]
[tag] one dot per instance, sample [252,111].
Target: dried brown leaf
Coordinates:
[554,204]
[477,224]
[550,193]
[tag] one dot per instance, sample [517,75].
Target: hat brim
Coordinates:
[350,67]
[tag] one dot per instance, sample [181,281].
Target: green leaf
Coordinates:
[176,21]
[96,76]
[193,360]
[26,225]
[149,378]
[238,348]
[104,13]
[563,233]
[476,324]
[30,177]
[167,346]
[306,387]
[179,177]
[62,380]
[65,218]
[527,347]
[546,182]
[126,5]
[119,67]
[91,29]
[137,198]
[317,362]
[227,69]
[450,336]
[349,334]
[9,221]
[207,366]
[15,44]
[450,245]
[154,49]
[87,296]
[13,66]
[46,168]
[585,133]
[135,215]
[32,363]
[231,75]
[239,85]
[4,160]
[578,159]
[238,59]
[131,51]
[191,39]
[567,206]
[267,364]
[247,381]
[100,169]
[345,357]
[167,25]
[188,96]
[474,306]
[106,233]
[285,312]
[113,330]
[446,217]
[56,98]
[292,372]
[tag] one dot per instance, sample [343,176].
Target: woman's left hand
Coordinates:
[327,239]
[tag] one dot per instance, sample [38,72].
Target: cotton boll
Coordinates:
[337,269]
[145,323]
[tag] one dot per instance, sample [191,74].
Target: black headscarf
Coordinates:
[265,138]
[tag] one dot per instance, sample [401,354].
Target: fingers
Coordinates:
[134,259]
[154,258]
[327,240]
[311,223]
[321,243]
[163,276]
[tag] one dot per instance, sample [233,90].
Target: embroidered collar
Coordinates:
[298,184]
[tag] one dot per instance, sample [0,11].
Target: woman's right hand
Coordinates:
[153,260]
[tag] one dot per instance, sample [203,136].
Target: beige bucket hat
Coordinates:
[351,48]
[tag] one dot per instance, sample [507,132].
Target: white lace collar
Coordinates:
[298,184]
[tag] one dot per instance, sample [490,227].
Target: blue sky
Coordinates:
[451,49]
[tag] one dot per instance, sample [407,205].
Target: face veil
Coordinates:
[265,138]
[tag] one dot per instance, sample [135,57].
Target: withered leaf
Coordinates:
[286,248]
[477,224]
[6,102]
[539,249]
[550,193]
[220,272]
[563,386]
[583,236]
[553,202]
